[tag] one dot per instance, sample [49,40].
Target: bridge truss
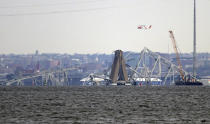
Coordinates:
[152,65]
[52,77]
[147,65]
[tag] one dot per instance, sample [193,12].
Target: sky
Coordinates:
[101,26]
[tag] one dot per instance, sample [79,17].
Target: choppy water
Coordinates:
[128,105]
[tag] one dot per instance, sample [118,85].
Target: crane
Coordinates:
[177,55]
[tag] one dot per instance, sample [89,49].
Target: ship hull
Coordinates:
[188,83]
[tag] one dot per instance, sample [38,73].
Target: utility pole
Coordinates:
[194,42]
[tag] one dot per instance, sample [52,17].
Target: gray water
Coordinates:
[93,105]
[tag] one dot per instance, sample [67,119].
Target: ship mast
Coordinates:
[194,42]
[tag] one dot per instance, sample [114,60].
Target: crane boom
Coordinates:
[177,54]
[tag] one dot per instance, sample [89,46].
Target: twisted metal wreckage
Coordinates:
[160,69]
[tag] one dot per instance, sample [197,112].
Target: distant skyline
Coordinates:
[101,26]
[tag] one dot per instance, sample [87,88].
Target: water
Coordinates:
[93,105]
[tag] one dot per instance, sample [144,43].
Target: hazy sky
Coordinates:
[101,26]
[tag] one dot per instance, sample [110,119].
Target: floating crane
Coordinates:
[177,55]
[189,81]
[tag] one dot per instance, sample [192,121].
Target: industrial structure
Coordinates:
[150,69]
[184,80]
[177,54]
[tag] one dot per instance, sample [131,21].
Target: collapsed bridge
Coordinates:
[146,66]
[149,66]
